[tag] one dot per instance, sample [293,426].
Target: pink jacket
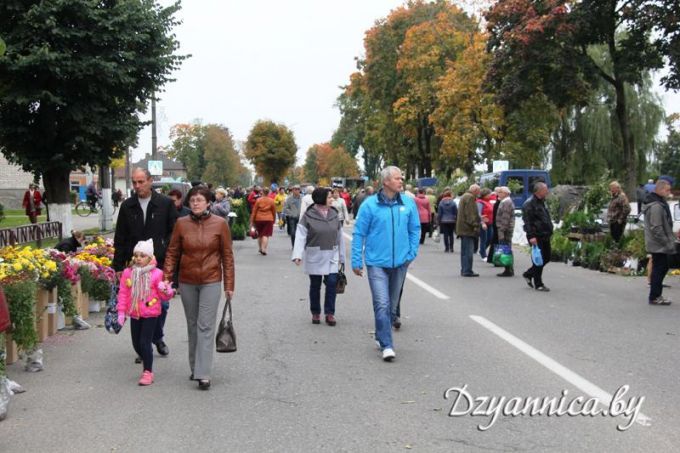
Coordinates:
[423,208]
[125,296]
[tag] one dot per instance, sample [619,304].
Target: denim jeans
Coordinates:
[292,222]
[659,271]
[485,237]
[385,283]
[467,250]
[315,293]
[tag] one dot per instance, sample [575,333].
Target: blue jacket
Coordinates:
[447,211]
[386,232]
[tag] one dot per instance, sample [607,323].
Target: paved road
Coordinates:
[294,386]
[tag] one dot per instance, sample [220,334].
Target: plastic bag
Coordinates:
[111,316]
[34,361]
[536,256]
[5,396]
[14,387]
[436,237]
[502,255]
[79,323]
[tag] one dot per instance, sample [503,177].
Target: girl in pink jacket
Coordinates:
[141,292]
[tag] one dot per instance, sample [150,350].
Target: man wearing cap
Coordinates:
[659,238]
[145,215]
[291,212]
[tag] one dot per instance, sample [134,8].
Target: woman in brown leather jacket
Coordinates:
[202,243]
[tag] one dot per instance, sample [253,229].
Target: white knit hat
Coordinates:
[145,247]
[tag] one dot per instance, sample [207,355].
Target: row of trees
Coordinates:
[208,154]
[546,80]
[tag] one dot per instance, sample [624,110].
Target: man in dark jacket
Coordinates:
[538,228]
[468,224]
[145,215]
[659,238]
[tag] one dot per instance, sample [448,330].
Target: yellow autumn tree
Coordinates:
[467,119]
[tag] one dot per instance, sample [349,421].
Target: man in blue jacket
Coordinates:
[386,237]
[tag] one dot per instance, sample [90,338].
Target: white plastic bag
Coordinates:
[34,361]
[5,396]
[435,236]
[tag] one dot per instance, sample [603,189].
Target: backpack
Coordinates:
[111,316]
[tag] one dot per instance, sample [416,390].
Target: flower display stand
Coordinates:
[52,315]
[11,351]
[42,299]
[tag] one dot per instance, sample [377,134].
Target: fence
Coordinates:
[30,233]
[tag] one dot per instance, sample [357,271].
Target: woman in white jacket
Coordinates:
[319,243]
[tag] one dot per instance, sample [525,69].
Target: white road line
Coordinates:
[565,373]
[435,292]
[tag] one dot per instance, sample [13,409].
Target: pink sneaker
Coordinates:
[147,378]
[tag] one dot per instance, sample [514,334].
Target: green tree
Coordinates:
[187,147]
[310,167]
[271,149]
[74,78]
[223,164]
[669,150]
[544,46]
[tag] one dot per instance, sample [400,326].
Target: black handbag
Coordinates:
[341,283]
[225,339]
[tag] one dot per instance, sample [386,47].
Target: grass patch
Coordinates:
[15,221]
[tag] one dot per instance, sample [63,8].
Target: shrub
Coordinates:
[21,300]
[238,233]
[2,212]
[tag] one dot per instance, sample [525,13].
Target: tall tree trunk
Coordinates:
[57,184]
[629,156]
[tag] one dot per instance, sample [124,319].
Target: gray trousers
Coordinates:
[201,303]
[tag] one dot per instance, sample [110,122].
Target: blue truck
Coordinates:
[520,182]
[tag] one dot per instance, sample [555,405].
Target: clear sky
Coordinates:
[282,60]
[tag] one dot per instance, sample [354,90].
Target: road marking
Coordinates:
[565,373]
[435,292]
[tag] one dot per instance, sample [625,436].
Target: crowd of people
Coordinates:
[183,241]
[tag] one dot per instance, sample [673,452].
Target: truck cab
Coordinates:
[520,182]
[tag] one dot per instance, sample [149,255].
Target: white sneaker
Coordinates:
[388,354]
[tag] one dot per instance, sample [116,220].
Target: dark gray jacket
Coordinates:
[659,237]
[319,242]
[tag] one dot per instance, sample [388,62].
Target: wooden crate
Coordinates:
[42,298]
[52,317]
[11,350]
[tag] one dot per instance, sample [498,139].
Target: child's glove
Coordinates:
[166,291]
[121,319]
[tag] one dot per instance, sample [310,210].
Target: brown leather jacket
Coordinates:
[205,250]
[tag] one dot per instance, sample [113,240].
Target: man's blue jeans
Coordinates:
[385,283]
[467,250]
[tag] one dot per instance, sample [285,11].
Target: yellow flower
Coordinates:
[17,266]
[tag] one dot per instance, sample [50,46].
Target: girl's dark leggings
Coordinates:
[142,331]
